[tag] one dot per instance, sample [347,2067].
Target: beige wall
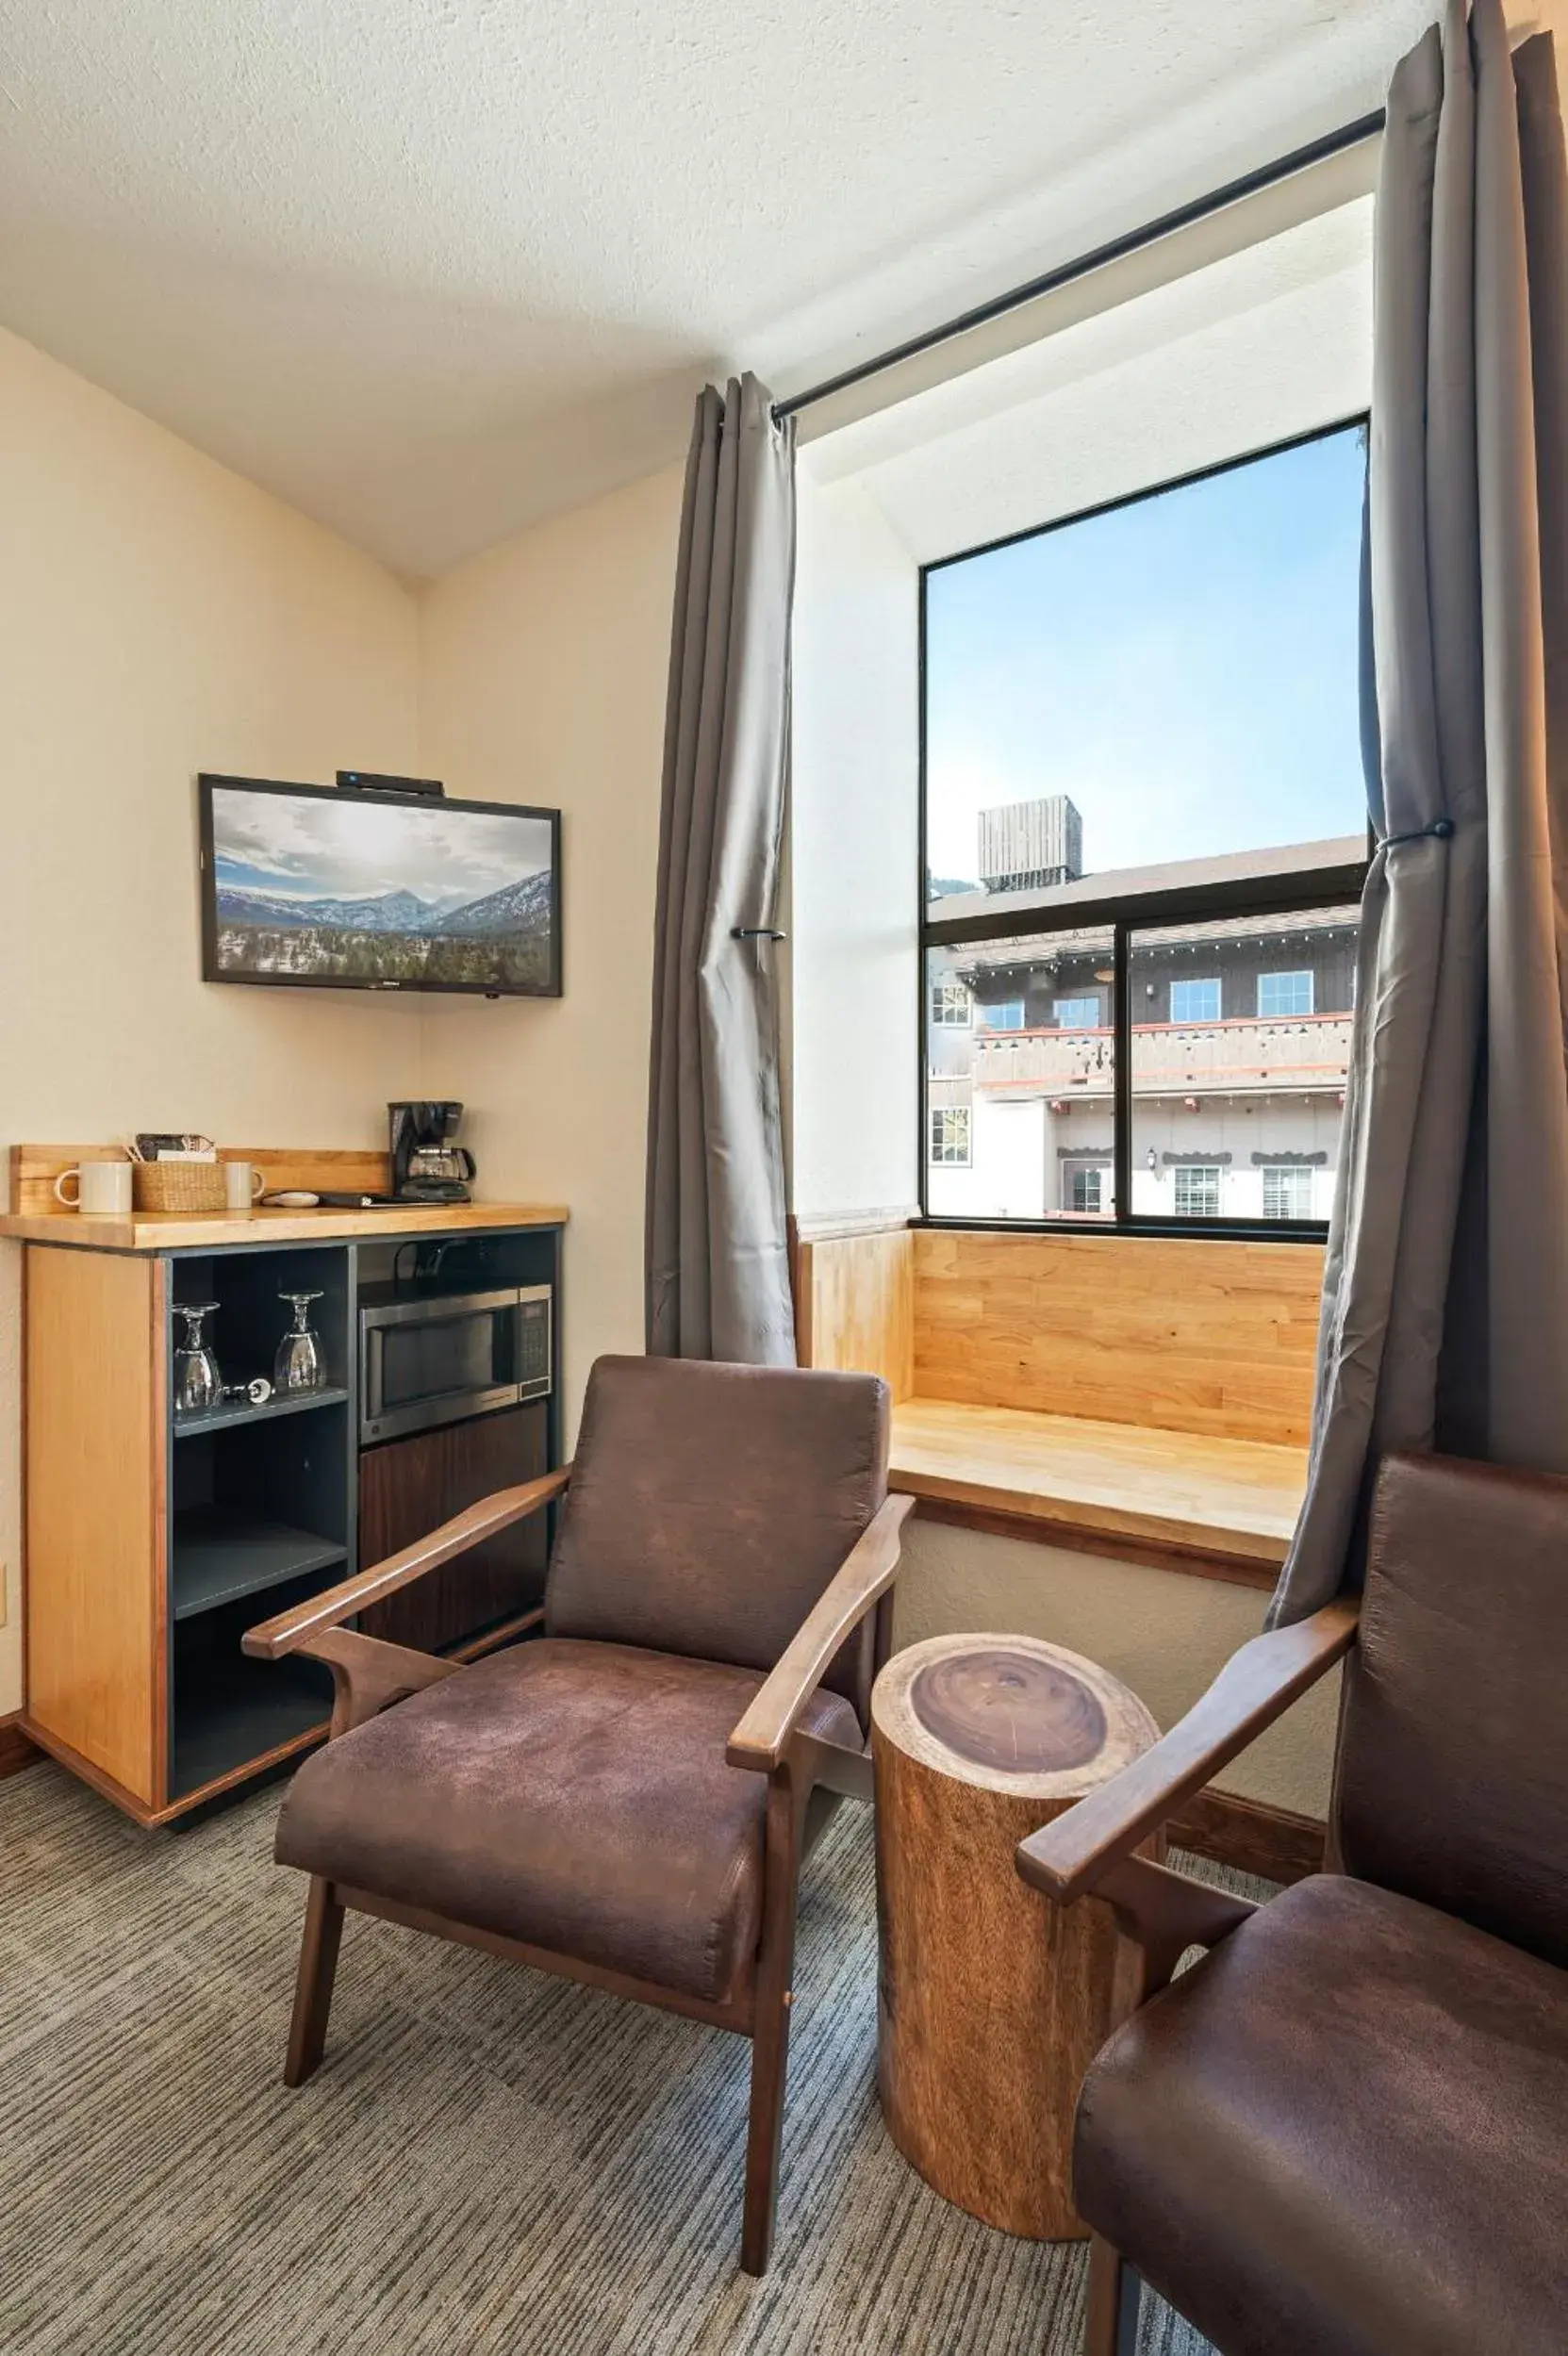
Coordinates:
[158,616]
[543,675]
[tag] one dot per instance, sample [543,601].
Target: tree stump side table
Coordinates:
[991,2002]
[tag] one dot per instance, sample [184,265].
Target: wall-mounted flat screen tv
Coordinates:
[317,887]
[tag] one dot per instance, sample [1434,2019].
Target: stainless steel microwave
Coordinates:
[443,1356]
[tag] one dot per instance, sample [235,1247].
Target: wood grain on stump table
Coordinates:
[993,2002]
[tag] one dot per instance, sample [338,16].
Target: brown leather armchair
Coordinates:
[573,1801]
[1345,2132]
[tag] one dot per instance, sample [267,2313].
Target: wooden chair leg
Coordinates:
[787,1797]
[1115,2298]
[765,2134]
[324,1930]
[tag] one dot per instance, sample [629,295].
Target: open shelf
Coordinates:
[219,1554]
[226,1418]
[249,1709]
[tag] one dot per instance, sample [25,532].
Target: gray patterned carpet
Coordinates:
[491,2162]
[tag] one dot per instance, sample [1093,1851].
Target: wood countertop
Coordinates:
[208,1231]
[1233,1501]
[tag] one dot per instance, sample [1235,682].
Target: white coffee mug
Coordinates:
[101,1186]
[243,1184]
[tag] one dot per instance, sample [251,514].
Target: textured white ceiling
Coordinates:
[431,268]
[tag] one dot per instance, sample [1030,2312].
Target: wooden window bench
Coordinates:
[1222,1508]
[1146,1398]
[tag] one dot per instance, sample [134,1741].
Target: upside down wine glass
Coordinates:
[197,1381]
[299,1366]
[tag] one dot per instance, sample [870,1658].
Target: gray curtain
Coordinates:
[1445,1304]
[717,1265]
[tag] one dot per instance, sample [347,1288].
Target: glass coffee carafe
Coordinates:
[198,1385]
[299,1365]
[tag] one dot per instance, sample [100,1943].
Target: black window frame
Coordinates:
[1290,892]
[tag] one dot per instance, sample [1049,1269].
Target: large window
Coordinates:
[1144,838]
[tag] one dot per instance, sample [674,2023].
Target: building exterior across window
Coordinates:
[951,1007]
[1233,1117]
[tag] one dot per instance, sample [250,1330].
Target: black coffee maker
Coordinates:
[426,1166]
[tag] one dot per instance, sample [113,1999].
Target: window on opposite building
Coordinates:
[949,1135]
[1144,832]
[1282,994]
[1287,1194]
[1196,1001]
[1085,1190]
[1195,1191]
[952,1006]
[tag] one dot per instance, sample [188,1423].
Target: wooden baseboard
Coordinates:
[1249,1836]
[17,1749]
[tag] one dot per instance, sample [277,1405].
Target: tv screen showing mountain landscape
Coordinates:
[345,888]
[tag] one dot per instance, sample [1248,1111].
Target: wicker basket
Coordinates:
[179,1186]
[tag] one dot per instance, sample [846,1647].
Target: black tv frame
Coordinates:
[208,885]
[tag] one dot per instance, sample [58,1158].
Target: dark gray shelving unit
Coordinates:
[262,1509]
[218,1554]
[264,1502]
[244,1715]
[225,1418]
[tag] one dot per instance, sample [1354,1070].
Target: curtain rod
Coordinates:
[1317,150]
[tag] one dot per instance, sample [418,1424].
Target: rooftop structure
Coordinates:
[1026,846]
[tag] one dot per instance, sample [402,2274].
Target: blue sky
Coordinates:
[1184,667]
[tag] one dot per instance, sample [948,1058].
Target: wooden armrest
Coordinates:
[1257,1684]
[865,1572]
[369,1675]
[289,1631]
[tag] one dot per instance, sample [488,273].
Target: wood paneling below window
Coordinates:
[1217,1337]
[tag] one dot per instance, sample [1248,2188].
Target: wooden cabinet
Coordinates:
[153,1541]
[409,1486]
